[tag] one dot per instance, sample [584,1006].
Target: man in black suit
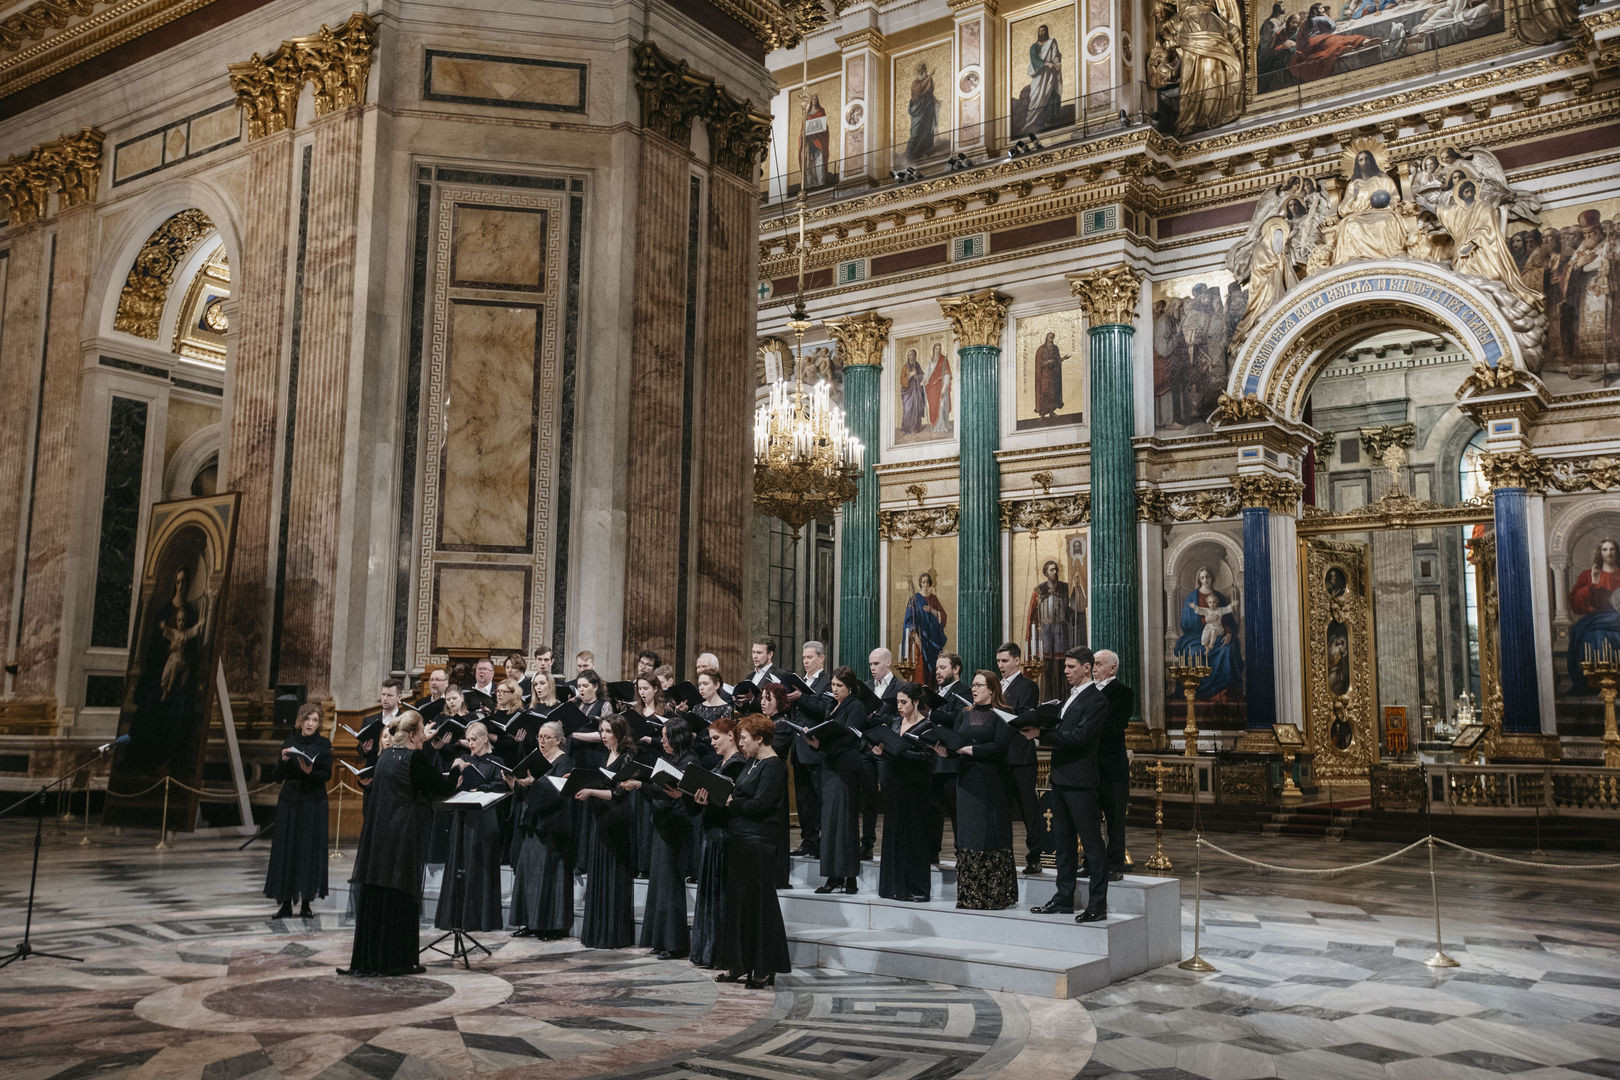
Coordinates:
[807,760]
[1113,763]
[1076,783]
[1021,695]
[885,685]
[942,787]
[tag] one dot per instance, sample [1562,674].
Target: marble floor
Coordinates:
[186,976]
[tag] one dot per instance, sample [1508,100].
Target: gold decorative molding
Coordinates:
[1263,491]
[977,319]
[1378,441]
[1397,510]
[673,95]
[146,289]
[335,63]
[739,135]
[36,21]
[1108,296]
[1155,504]
[870,36]
[73,43]
[1236,409]
[1514,469]
[1582,474]
[861,338]
[70,165]
[1037,515]
[909,525]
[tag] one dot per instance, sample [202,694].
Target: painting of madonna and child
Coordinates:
[1207,620]
[1302,44]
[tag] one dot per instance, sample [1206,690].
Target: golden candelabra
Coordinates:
[1602,666]
[1189,673]
[1034,668]
[905,667]
[1158,862]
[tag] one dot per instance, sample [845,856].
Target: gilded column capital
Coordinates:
[739,135]
[976,318]
[336,63]
[1261,491]
[671,94]
[70,165]
[1108,296]
[266,92]
[861,338]
[1514,469]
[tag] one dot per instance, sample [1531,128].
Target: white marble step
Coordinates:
[1033,889]
[1018,969]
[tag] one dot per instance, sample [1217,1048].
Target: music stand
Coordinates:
[461,938]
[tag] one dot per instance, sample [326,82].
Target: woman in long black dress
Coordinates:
[298,845]
[774,705]
[709,913]
[387,880]
[470,891]
[756,941]
[664,929]
[542,879]
[610,917]
[586,747]
[904,872]
[646,718]
[986,877]
[444,742]
[841,784]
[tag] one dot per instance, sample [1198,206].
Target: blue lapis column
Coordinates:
[1516,623]
[1259,661]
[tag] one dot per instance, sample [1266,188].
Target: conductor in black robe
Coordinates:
[1022,695]
[1076,787]
[387,879]
[298,847]
[1113,763]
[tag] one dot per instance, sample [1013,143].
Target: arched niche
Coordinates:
[1323,315]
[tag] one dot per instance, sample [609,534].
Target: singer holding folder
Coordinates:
[755,946]
[907,767]
[387,880]
[710,912]
[542,877]
[664,929]
[298,847]
[839,741]
[610,917]
[470,891]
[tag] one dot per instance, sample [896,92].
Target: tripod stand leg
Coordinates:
[24,949]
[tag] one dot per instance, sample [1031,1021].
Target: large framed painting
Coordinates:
[921,82]
[1051,358]
[924,388]
[1341,692]
[922,603]
[169,685]
[814,138]
[1304,50]
[1193,320]
[1043,69]
[1049,599]
[1569,259]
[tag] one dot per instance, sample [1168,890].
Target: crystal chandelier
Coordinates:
[805,459]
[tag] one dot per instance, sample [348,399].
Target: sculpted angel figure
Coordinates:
[1286,227]
[1473,212]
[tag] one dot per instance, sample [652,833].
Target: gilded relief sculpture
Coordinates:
[1198,46]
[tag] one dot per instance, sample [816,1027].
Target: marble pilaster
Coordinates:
[26,269]
[861,341]
[314,494]
[41,632]
[250,457]
[978,321]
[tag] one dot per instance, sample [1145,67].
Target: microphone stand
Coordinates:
[24,948]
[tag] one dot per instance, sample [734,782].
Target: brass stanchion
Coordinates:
[1439,959]
[1196,962]
[337,834]
[1158,862]
[163,823]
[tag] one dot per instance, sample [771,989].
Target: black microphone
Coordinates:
[120,741]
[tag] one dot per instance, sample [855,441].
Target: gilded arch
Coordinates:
[1328,311]
[146,288]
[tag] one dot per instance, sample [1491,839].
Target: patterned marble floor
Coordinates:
[185,976]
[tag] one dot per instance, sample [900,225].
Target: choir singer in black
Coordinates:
[298,848]
[756,946]
[906,765]
[1076,783]
[542,879]
[1113,762]
[1022,695]
[470,891]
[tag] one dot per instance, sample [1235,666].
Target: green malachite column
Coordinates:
[861,340]
[978,321]
[1109,299]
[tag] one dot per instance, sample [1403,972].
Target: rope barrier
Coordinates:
[1312,870]
[1525,862]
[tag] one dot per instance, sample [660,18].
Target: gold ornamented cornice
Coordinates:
[1108,296]
[1261,491]
[673,95]
[1514,469]
[909,525]
[1037,515]
[1377,441]
[336,64]
[965,5]
[37,20]
[867,35]
[861,338]
[1396,510]
[70,165]
[977,318]
[1233,409]
[146,289]
[1154,504]
[1484,379]
[739,135]
[1582,474]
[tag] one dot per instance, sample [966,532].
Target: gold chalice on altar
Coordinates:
[1189,671]
[1602,667]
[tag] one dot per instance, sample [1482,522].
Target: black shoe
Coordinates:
[283,912]
[305,912]
[729,976]
[523,931]
[1032,868]
[1092,914]
[917,898]
[760,984]
[691,880]
[851,885]
[866,849]
[641,877]
[1116,875]
[552,935]
[832,883]
[417,970]
[358,974]
[1053,907]
[806,850]
[668,955]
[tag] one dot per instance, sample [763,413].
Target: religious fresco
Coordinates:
[1205,620]
[1051,358]
[921,81]
[1583,553]
[922,611]
[1315,49]
[1049,599]
[1573,260]
[924,388]
[1195,322]
[1043,70]
[813,138]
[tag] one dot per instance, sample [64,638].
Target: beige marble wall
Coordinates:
[481,607]
[251,461]
[40,635]
[19,368]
